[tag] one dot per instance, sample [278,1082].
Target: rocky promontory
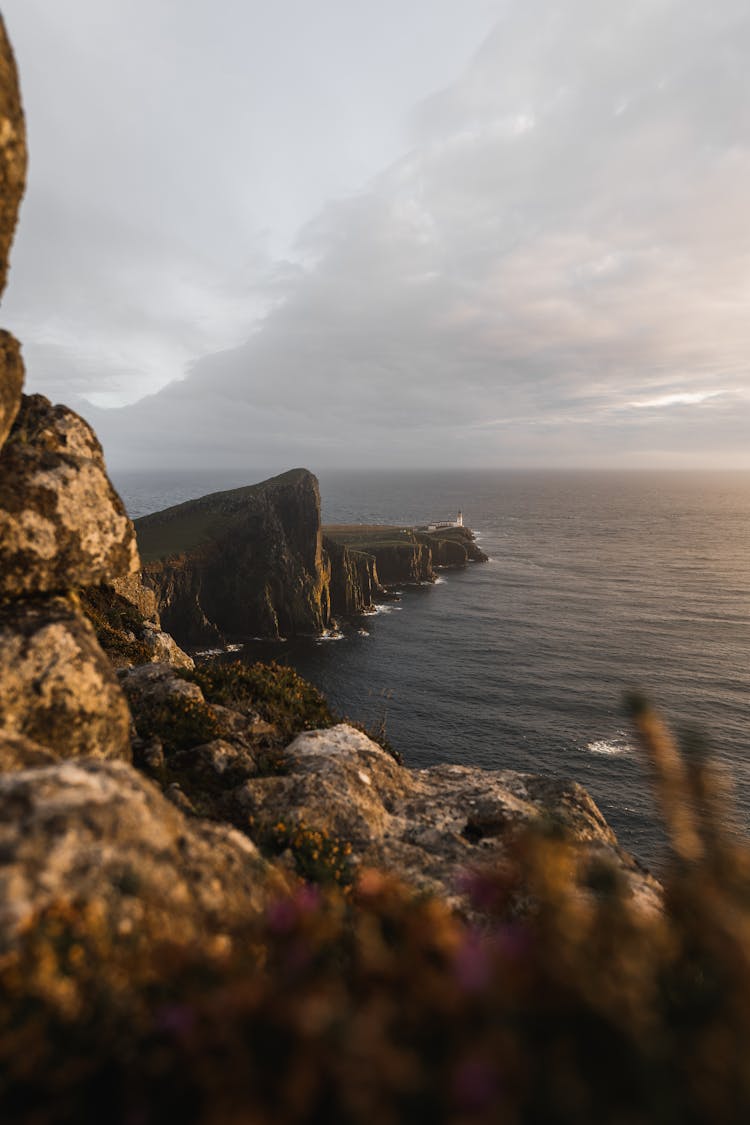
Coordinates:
[405,555]
[256,562]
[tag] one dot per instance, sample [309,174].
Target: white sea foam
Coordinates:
[330,635]
[440,581]
[363,633]
[610,747]
[220,651]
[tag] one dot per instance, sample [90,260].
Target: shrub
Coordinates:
[318,856]
[117,624]
[178,722]
[277,693]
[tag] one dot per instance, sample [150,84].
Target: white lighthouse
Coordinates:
[460,519]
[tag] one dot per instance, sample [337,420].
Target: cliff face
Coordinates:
[352,577]
[243,563]
[406,556]
[255,561]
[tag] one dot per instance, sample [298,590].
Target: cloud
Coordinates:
[685,399]
[558,261]
[176,152]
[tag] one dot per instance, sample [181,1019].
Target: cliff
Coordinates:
[352,577]
[408,556]
[239,564]
[255,561]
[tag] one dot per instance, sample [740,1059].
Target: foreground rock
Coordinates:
[12,151]
[61,522]
[98,834]
[429,826]
[11,382]
[12,182]
[19,753]
[127,625]
[56,685]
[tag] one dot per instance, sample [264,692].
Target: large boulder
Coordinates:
[429,826]
[12,182]
[99,834]
[12,151]
[11,382]
[57,687]
[19,753]
[61,522]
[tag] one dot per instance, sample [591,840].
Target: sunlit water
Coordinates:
[596,585]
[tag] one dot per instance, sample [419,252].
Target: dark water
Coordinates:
[597,585]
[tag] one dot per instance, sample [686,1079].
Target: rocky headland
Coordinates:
[404,556]
[257,562]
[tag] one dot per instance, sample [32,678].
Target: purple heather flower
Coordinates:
[175,1019]
[475,1085]
[472,964]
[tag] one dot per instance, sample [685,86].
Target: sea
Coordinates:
[597,585]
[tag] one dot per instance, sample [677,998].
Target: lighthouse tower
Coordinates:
[460,519]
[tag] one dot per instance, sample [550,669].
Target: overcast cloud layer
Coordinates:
[551,267]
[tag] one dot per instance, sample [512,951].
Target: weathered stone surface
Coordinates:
[12,183]
[19,753]
[427,825]
[11,382]
[133,590]
[61,522]
[56,685]
[158,683]
[12,151]
[126,635]
[100,833]
[164,648]
[218,763]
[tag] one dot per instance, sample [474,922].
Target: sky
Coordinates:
[450,233]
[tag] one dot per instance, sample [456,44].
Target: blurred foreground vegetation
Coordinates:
[369,1005]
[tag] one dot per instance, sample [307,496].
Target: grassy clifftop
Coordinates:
[407,554]
[187,526]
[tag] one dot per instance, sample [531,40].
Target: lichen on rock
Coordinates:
[56,685]
[61,522]
[12,183]
[20,753]
[428,826]
[100,833]
[11,382]
[12,151]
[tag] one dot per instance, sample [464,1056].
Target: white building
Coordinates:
[458,522]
